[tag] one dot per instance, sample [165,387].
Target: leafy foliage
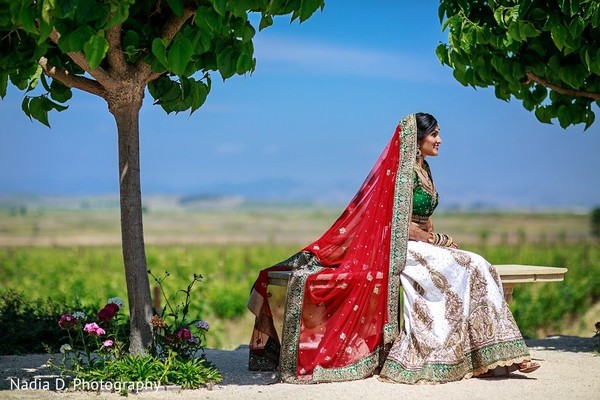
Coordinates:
[96,347]
[182,41]
[29,325]
[595,222]
[544,53]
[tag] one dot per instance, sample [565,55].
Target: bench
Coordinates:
[510,274]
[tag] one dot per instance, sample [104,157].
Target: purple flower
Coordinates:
[66,321]
[184,334]
[194,339]
[202,325]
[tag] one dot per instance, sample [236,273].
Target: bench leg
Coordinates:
[508,291]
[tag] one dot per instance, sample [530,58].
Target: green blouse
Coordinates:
[424,202]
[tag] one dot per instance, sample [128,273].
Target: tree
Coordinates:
[116,49]
[544,53]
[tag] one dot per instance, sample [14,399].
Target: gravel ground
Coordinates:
[570,370]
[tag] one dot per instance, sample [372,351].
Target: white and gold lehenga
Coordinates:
[342,314]
[456,321]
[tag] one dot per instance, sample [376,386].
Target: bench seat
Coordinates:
[510,274]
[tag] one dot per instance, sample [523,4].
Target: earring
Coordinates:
[418,153]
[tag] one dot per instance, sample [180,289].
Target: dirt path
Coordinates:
[570,370]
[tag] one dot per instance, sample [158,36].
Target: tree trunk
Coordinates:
[126,109]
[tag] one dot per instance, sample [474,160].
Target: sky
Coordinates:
[310,121]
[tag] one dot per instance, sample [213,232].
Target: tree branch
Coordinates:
[115,56]
[569,92]
[79,58]
[170,29]
[72,81]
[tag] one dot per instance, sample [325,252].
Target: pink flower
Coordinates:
[66,321]
[184,334]
[108,343]
[94,329]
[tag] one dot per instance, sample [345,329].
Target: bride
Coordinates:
[341,319]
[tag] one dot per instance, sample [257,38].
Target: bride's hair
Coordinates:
[425,124]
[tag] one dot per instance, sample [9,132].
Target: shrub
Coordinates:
[96,347]
[29,326]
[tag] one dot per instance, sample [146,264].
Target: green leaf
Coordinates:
[564,6]
[248,32]
[564,116]
[65,9]
[131,38]
[55,106]
[220,6]
[502,93]
[559,36]
[442,53]
[468,37]
[38,109]
[307,8]
[95,49]
[45,83]
[176,6]
[575,6]
[245,63]
[159,50]
[465,5]
[596,65]
[86,11]
[35,78]
[75,40]
[3,83]
[227,62]
[576,27]
[212,19]
[543,115]
[27,17]
[589,120]
[514,31]
[60,92]
[540,93]
[25,106]
[199,94]
[528,30]
[265,21]
[441,11]
[180,54]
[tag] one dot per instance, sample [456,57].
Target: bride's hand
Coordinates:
[417,234]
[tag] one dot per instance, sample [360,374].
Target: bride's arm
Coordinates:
[417,234]
[424,233]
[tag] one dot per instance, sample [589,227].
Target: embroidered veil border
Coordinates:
[341,313]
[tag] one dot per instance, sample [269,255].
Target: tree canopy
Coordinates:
[544,53]
[172,45]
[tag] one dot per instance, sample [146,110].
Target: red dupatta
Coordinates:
[342,298]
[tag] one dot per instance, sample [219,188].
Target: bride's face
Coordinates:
[430,145]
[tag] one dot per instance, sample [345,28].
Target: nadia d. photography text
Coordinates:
[81,384]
